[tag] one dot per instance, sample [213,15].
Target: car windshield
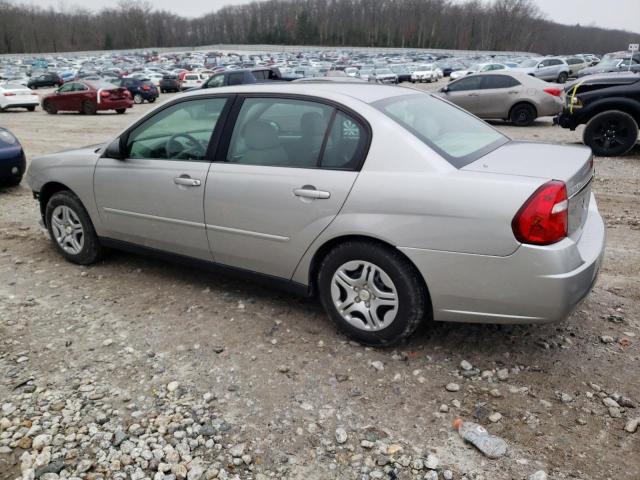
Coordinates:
[12,86]
[529,63]
[456,135]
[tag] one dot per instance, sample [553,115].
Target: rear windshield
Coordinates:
[456,135]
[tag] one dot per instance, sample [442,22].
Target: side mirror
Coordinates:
[115,150]
[540,65]
[444,89]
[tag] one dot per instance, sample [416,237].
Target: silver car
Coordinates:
[392,205]
[551,69]
[507,95]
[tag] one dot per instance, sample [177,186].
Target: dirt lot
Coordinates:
[89,357]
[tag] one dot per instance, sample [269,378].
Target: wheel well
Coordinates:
[524,102]
[635,113]
[46,192]
[322,252]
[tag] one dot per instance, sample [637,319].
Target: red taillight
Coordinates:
[544,218]
[105,93]
[556,92]
[9,94]
[146,87]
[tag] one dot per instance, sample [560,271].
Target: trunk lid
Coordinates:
[571,164]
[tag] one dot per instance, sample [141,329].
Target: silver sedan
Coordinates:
[391,205]
[506,95]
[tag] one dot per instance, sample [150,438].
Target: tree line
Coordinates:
[510,25]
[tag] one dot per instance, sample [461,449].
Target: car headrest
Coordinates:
[312,125]
[261,135]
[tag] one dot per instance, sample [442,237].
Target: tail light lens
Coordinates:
[105,93]
[544,218]
[146,87]
[9,94]
[555,92]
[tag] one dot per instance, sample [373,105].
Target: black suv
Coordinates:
[609,105]
[45,80]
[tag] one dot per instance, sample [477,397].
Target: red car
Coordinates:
[87,97]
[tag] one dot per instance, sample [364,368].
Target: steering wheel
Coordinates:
[196,148]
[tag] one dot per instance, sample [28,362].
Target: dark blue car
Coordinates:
[140,89]
[12,159]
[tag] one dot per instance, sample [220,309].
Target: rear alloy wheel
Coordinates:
[50,108]
[89,108]
[71,229]
[611,134]
[562,78]
[523,114]
[137,99]
[371,293]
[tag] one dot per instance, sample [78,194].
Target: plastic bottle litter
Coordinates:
[490,445]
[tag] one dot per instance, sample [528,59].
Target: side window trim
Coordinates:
[234,112]
[214,140]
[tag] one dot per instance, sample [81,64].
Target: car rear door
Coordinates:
[496,95]
[284,173]
[154,197]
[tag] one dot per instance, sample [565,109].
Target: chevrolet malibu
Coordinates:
[391,205]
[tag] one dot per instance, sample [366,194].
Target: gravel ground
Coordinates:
[136,368]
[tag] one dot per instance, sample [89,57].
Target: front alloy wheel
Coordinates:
[67,229]
[611,133]
[71,229]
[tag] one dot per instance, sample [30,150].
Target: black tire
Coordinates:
[611,134]
[151,100]
[89,108]
[137,99]
[413,304]
[523,114]
[121,110]
[162,90]
[563,77]
[91,251]
[49,108]
[31,109]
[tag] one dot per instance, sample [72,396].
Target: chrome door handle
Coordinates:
[187,181]
[311,193]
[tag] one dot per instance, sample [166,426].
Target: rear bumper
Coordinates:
[533,285]
[115,104]
[18,101]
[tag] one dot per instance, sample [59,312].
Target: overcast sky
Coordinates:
[622,14]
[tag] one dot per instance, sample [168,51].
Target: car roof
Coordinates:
[367,93]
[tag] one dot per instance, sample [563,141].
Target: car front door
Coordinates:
[154,197]
[76,96]
[497,94]
[285,174]
[465,92]
[63,97]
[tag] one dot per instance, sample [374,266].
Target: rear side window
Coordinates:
[236,78]
[296,133]
[457,136]
[498,81]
